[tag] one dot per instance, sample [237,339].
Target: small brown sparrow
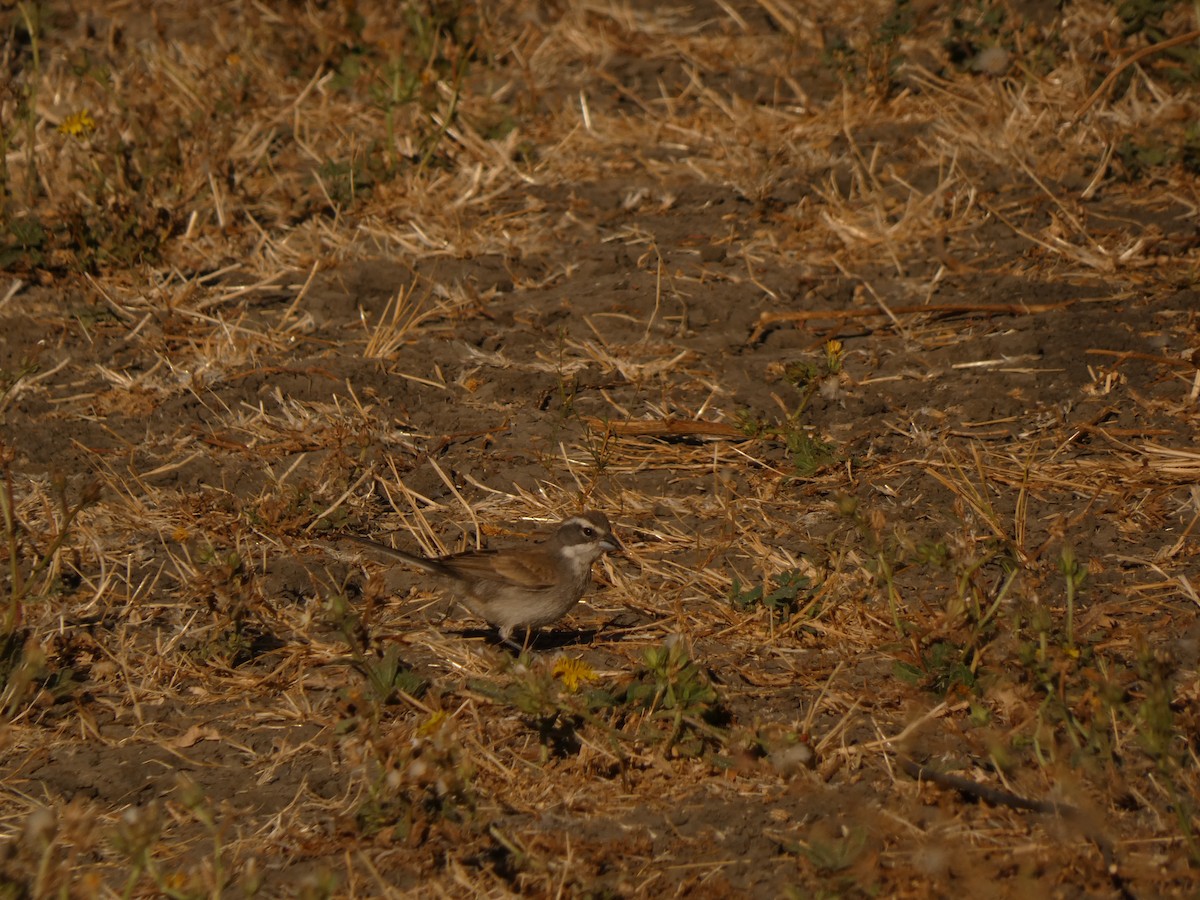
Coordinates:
[521,587]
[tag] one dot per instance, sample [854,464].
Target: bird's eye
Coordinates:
[588,532]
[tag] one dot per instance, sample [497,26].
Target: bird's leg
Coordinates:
[505,634]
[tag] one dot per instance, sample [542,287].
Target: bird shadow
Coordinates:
[538,640]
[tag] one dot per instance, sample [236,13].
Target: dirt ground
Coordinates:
[872,327]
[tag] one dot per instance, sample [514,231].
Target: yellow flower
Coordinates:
[433,723]
[833,355]
[573,673]
[78,124]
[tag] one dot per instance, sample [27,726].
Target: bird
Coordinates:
[519,587]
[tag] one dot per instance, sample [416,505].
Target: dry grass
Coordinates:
[872,327]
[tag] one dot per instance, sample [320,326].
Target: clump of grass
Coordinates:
[425,778]
[668,703]
[558,700]
[111,215]
[402,61]
[808,453]
[386,677]
[25,668]
[398,324]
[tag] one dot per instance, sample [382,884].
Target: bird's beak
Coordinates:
[612,545]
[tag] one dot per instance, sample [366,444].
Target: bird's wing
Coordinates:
[506,567]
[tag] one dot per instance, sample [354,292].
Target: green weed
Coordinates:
[402,67]
[386,677]
[807,453]
[25,668]
[782,596]
[668,702]
[678,705]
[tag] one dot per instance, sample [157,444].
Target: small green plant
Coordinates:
[558,700]
[100,212]
[99,209]
[950,660]
[425,775]
[1075,575]
[885,551]
[31,19]
[838,55]
[834,855]
[191,797]
[668,702]
[345,182]
[932,553]
[679,706]
[386,677]
[401,67]
[566,384]
[1139,157]
[1155,720]
[975,31]
[808,453]
[782,596]
[136,836]
[24,244]
[838,853]
[224,582]
[21,583]
[10,379]
[1146,17]
[896,24]
[941,668]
